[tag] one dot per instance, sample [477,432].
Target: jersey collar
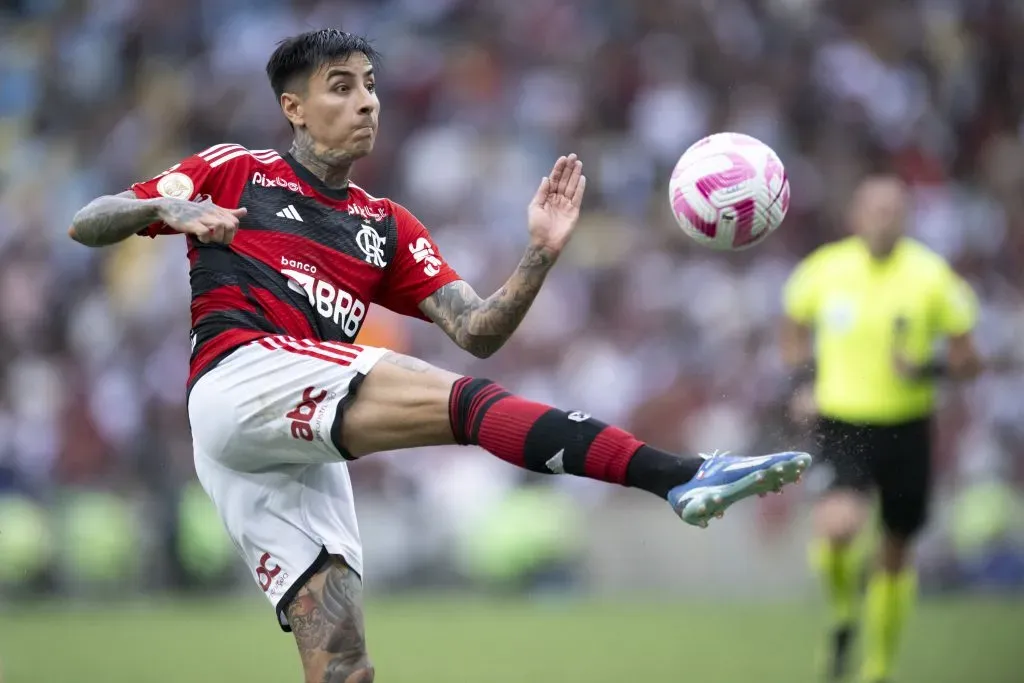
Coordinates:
[304,174]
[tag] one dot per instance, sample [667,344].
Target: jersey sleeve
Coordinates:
[417,270]
[185,180]
[800,293]
[957,305]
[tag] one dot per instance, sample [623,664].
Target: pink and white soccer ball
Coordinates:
[729,191]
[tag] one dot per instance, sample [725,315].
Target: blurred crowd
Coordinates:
[636,325]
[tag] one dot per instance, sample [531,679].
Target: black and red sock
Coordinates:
[543,439]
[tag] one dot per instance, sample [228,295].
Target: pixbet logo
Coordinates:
[423,252]
[331,302]
[264,180]
[366,212]
[302,414]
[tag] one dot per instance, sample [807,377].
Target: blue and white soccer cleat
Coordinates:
[725,479]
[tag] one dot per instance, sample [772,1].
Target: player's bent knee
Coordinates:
[401,403]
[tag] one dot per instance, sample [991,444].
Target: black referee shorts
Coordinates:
[893,460]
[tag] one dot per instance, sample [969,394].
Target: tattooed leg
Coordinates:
[326,617]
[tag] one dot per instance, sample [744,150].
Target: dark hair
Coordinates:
[303,54]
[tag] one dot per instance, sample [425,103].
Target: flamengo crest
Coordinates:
[372,245]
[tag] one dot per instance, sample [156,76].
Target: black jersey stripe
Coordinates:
[221,274]
[278,210]
[219,322]
[219,266]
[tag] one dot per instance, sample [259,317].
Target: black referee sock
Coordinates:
[657,471]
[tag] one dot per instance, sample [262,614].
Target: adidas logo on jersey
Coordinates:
[290,213]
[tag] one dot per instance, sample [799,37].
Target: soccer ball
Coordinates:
[729,191]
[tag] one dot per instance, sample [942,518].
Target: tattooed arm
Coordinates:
[326,617]
[111,219]
[482,326]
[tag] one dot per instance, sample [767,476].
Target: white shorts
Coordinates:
[262,425]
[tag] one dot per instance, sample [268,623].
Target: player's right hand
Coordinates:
[207,221]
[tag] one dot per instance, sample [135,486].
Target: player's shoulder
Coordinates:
[230,155]
[213,171]
[360,196]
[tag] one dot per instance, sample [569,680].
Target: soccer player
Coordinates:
[286,256]
[875,304]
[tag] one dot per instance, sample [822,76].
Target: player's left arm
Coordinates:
[483,325]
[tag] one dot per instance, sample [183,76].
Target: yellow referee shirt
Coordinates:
[852,302]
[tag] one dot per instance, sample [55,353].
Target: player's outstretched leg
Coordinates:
[404,403]
[326,617]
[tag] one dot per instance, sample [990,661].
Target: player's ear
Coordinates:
[291,105]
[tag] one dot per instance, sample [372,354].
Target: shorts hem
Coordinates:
[293,590]
[353,390]
[339,415]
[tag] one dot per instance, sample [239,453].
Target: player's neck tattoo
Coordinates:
[332,170]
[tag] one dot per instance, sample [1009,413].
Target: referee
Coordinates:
[863,316]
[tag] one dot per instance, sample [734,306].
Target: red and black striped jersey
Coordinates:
[307,261]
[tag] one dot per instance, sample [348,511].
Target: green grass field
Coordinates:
[422,641]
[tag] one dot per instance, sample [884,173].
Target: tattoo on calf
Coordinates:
[327,620]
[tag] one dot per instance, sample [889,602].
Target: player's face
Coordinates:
[340,108]
[879,213]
